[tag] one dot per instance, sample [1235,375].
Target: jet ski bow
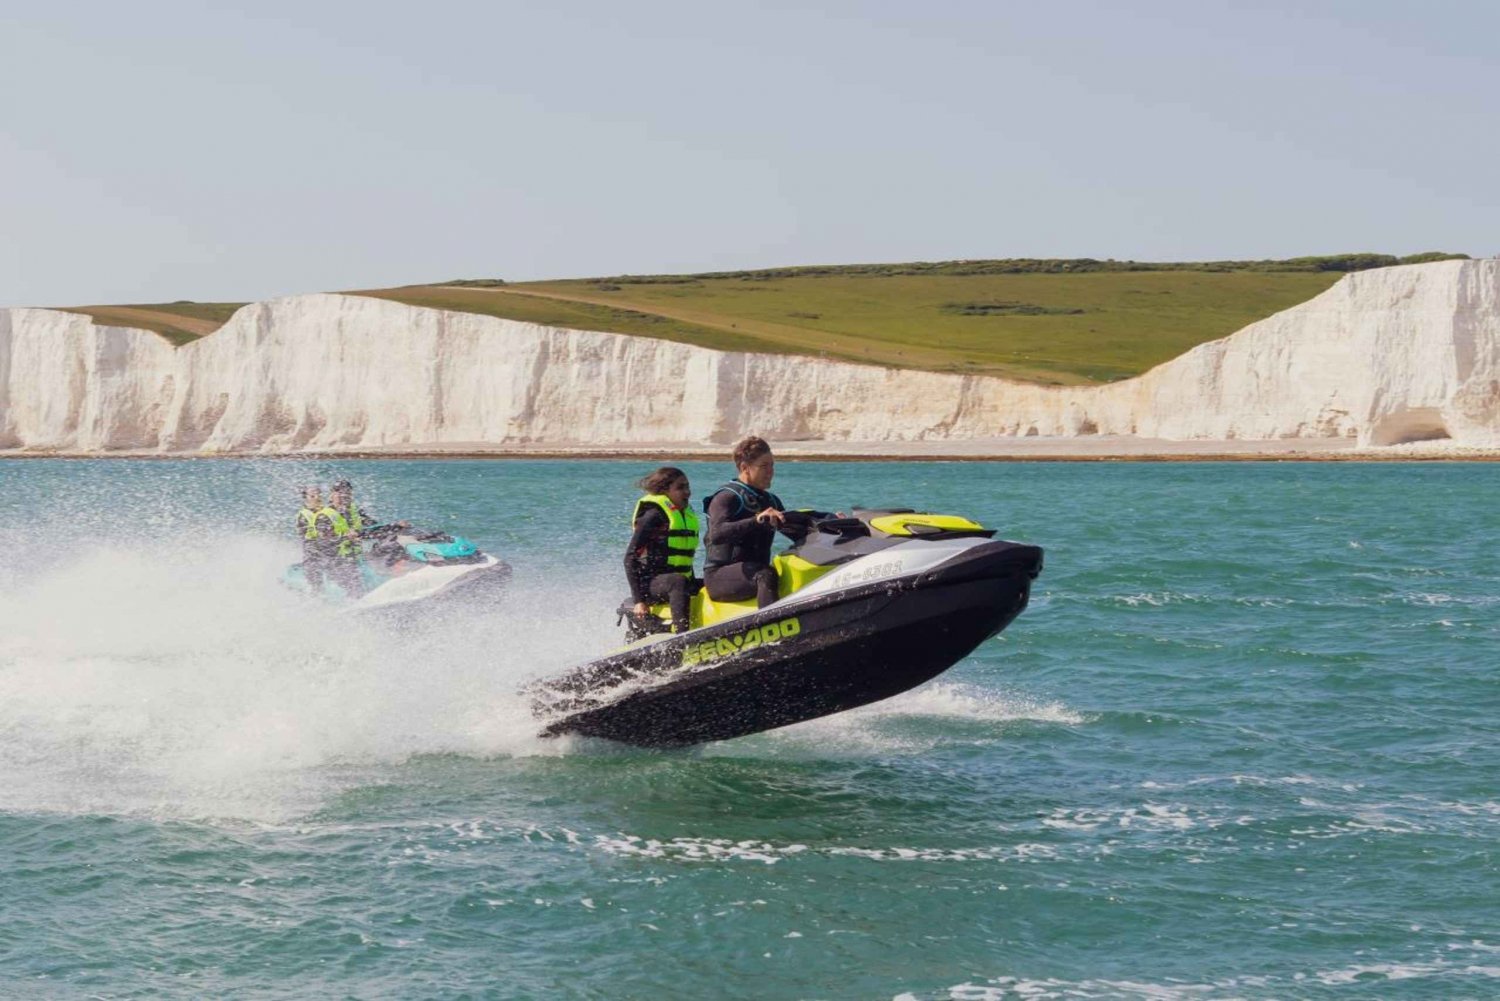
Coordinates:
[872,605]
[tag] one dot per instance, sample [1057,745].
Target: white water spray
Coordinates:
[185,681]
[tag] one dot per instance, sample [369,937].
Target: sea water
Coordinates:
[1242,744]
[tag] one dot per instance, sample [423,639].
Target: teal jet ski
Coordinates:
[401,567]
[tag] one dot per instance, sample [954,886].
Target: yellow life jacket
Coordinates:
[307,519]
[348,544]
[682,532]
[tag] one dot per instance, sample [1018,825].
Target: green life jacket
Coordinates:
[307,520]
[356,520]
[682,533]
[348,544]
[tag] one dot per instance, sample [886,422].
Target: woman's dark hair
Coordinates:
[749,449]
[657,482]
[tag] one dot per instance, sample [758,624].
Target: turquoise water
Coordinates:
[1243,744]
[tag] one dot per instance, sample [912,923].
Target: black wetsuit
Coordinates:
[739,547]
[651,579]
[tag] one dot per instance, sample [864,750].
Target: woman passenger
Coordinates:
[659,559]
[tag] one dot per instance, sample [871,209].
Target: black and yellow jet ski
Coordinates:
[871,605]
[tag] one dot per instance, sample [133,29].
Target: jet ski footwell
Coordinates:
[799,659]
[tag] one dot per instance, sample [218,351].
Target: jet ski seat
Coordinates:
[793,574]
[834,542]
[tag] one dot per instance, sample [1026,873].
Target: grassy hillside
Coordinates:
[1052,321]
[1056,328]
[178,322]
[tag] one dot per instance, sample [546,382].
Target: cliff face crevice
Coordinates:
[1399,354]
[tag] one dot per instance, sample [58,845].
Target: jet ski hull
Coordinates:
[472,584]
[831,653]
[424,588]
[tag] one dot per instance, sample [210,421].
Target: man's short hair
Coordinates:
[749,449]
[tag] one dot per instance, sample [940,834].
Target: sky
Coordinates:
[159,151]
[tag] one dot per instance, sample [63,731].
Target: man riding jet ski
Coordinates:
[867,607]
[399,565]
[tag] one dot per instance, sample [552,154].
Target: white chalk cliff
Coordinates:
[1394,355]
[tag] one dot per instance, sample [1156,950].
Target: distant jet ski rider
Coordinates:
[346,521]
[743,519]
[313,520]
[659,558]
[342,496]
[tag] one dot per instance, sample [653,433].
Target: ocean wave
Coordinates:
[1241,779]
[1146,816]
[688,849]
[1458,977]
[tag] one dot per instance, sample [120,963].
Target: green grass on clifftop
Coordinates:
[178,322]
[1050,321]
[1067,327]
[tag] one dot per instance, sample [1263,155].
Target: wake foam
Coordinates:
[904,724]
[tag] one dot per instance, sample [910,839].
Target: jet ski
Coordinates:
[871,605]
[401,566]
